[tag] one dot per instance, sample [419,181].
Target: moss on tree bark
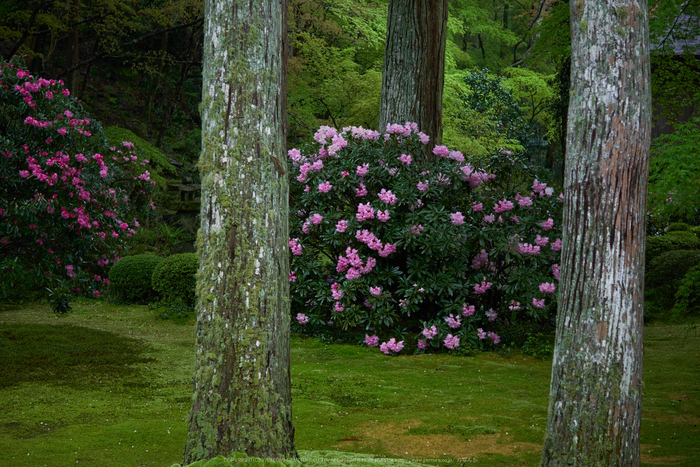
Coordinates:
[242,398]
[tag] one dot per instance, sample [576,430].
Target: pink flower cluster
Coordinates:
[457,218]
[451,342]
[503,206]
[483,287]
[352,263]
[468,310]
[371,240]
[364,212]
[547,287]
[430,333]
[527,249]
[371,341]
[302,318]
[391,346]
[453,322]
[491,315]
[295,246]
[387,197]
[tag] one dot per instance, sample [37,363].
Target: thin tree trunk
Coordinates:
[596,391]
[242,397]
[414,65]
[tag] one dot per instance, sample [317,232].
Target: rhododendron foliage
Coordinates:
[422,254]
[68,202]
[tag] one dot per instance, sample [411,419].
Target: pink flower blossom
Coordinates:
[441,151]
[302,318]
[495,338]
[483,287]
[514,306]
[476,207]
[422,186]
[430,333]
[362,191]
[295,247]
[523,201]
[24,173]
[547,287]
[383,216]
[451,342]
[453,322]
[416,229]
[555,271]
[336,292]
[456,156]
[491,315]
[548,191]
[405,158]
[317,219]
[527,249]
[294,154]
[556,246]
[387,250]
[344,174]
[503,206]
[292,277]
[362,170]
[338,307]
[341,226]
[489,219]
[541,241]
[538,303]
[423,138]
[307,189]
[457,218]
[375,291]
[371,341]
[468,310]
[480,260]
[548,224]
[422,344]
[538,187]
[364,212]
[481,334]
[325,187]
[387,197]
[391,346]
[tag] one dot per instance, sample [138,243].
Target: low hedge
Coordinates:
[658,245]
[130,279]
[175,279]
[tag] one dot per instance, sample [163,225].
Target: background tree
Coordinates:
[242,396]
[596,391]
[414,65]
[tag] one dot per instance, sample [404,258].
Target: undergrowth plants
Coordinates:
[417,250]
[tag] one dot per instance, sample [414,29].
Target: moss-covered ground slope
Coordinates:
[111,385]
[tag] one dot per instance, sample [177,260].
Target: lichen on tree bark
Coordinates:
[242,398]
[596,390]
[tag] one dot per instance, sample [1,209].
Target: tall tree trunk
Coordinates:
[414,65]
[596,392]
[72,78]
[242,397]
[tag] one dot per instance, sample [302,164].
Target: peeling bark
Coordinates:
[596,390]
[413,76]
[242,398]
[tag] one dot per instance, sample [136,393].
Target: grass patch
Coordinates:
[111,385]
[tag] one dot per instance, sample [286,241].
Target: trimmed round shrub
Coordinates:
[175,279]
[678,227]
[670,242]
[666,273]
[130,279]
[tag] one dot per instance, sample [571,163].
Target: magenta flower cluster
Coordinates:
[62,215]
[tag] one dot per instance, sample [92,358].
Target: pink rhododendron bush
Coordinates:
[68,202]
[414,255]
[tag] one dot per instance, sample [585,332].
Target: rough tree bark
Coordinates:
[596,390]
[242,397]
[414,65]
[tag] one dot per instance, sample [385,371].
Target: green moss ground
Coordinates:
[111,385]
